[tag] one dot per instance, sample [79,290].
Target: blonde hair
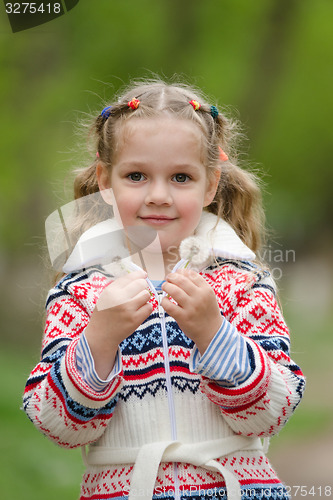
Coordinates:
[238,197]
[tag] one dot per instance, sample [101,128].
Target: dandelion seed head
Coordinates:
[195,250]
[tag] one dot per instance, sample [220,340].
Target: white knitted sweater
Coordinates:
[186,433]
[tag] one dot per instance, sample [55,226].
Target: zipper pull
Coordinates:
[160,308]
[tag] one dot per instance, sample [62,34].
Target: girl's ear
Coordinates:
[212,184]
[104,182]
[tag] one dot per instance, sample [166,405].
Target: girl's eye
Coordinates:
[181,177]
[135,176]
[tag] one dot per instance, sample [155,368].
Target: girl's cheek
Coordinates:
[126,203]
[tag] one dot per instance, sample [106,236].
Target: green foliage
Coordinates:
[32,467]
[268,60]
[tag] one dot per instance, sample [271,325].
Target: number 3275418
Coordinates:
[32,8]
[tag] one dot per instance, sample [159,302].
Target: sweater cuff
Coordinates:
[78,389]
[86,366]
[226,359]
[236,398]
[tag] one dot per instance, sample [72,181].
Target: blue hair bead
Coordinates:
[106,112]
[214,111]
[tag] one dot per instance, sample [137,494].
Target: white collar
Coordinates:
[103,242]
[222,238]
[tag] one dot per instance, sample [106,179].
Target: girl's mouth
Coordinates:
[157,220]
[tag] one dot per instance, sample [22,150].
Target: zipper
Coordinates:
[171,403]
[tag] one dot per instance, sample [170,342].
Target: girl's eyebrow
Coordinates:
[143,165]
[132,164]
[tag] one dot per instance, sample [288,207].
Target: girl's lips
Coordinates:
[157,220]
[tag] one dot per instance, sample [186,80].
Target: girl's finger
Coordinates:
[183,281]
[129,277]
[117,293]
[170,308]
[142,313]
[134,287]
[193,276]
[177,293]
[140,299]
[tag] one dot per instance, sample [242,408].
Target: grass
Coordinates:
[32,468]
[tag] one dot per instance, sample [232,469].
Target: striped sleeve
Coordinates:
[226,359]
[86,366]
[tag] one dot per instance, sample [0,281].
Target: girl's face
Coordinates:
[159,180]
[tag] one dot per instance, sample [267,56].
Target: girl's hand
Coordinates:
[197,311]
[121,308]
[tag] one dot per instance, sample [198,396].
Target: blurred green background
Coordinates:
[270,63]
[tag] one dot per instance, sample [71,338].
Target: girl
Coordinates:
[172,377]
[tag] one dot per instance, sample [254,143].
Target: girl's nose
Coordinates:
[158,194]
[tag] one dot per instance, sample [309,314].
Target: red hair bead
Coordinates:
[196,105]
[134,103]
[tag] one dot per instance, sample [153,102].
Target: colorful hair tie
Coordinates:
[223,156]
[214,112]
[134,103]
[97,154]
[196,105]
[106,112]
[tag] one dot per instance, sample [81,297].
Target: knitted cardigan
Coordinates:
[200,436]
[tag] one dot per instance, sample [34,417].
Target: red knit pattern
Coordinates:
[69,412]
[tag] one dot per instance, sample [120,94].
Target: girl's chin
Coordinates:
[158,246]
